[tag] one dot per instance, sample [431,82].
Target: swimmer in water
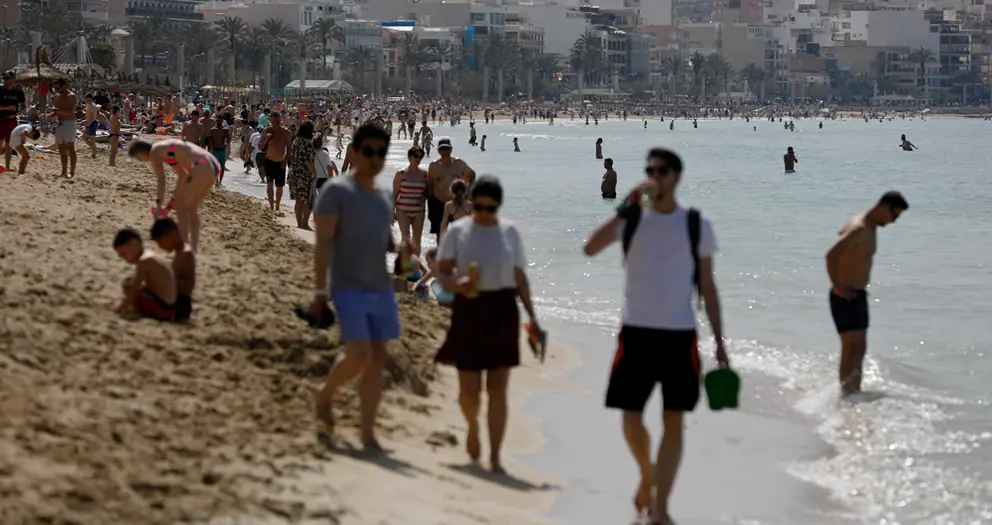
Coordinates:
[609,185]
[151,291]
[907,145]
[482,146]
[599,148]
[790,160]
[165,233]
[516,145]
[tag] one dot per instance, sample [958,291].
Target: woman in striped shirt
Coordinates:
[410,194]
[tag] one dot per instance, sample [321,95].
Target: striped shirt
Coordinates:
[412,195]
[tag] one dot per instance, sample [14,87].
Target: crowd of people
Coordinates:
[478,268]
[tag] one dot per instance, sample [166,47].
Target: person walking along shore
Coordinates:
[484,336]
[657,342]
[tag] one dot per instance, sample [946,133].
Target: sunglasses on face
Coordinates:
[660,171]
[487,208]
[417,156]
[369,152]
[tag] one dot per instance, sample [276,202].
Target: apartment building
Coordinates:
[183,11]
[528,36]
[562,24]
[299,15]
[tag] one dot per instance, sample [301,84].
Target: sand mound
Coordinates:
[105,420]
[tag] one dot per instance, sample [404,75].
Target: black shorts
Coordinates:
[647,356]
[850,315]
[275,172]
[435,212]
[184,308]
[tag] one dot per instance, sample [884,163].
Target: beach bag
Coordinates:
[632,218]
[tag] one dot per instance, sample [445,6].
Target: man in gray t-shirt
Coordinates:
[353,229]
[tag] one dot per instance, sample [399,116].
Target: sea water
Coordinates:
[915,447]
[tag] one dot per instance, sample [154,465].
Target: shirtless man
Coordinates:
[151,291]
[193,129]
[276,145]
[92,123]
[11,101]
[165,232]
[609,185]
[440,174]
[115,133]
[849,263]
[65,130]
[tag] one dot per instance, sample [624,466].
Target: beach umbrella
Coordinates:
[41,72]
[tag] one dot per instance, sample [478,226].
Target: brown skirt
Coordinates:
[484,332]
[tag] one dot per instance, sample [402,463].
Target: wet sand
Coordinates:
[109,420]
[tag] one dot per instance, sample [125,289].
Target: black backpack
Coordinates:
[632,218]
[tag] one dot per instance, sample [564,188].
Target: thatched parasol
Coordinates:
[41,72]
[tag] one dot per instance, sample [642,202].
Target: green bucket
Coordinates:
[723,386]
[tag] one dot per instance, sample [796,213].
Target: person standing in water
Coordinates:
[516,145]
[219,138]
[790,160]
[440,174]
[849,263]
[658,342]
[609,185]
[906,145]
[599,148]
[482,146]
[471,133]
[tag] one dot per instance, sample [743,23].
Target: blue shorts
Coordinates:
[366,315]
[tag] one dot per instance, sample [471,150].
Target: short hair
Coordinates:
[609,160]
[416,149]
[668,157]
[369,131]
[35,133]
[318,141]
[893,199]
[114,109]
[162,227]
[138,147]
[488,186]
[305,131]
[126,236]
[88,95]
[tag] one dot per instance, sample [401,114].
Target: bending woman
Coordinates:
[484,335]
[197,171]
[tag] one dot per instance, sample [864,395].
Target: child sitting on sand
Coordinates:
[421,290]
[151,291]
[165,232]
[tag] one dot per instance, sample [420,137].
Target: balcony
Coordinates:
[155,12]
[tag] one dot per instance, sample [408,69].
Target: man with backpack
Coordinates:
[668,251]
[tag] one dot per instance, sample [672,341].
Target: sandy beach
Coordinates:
[110,420]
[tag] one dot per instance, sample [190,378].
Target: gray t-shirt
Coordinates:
[364,230]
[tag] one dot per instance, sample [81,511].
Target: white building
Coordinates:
[562,24]
[299,15]
[882,29]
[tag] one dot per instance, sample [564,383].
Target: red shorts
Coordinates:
[7,125]
[153,307]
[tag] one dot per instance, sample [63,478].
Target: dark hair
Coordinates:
[458,189]
[894,199]
[318,141]
[35,133]
[366,132]
[668,157]
[305,131]
[488,186]
[114,109]
[138,147]
[88,95]
[416,149]
[125,236]
[609,160]
[162,227]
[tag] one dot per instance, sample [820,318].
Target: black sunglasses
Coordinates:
[369,152]
[488,208]
[661,171]
[417,156]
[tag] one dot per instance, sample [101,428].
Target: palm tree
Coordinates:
[698,63]
[322,32]
[230,30]
[57,25]
[480,57]
[200,39]
[755,75]
[256,45]
[357,60]
[720,69]
[440,53]
[547,68]
[923,56]
[674,68]
[412,57]
[585,56]
[144,34]
[500,55]
[528,62]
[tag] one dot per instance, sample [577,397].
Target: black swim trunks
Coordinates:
[850,315]
[275,172]
[435,212]
[610,195]
[648,356]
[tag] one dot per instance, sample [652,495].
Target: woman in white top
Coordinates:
[484,335]
[322,166]
[17,138]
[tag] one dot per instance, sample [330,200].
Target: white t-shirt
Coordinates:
[255,138]
[496,249]
[15,136]
[322,162]
[659,270]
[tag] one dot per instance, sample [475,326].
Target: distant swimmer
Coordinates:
[645,124]
[821,124]
[671,124]
[849,263]
[609,185]
[599,148]
[790,160]
[471,133]
[482,146]
[516,145]
[907,145]
[755,128]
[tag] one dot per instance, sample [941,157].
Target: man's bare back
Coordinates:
[855,250]
[65,106]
